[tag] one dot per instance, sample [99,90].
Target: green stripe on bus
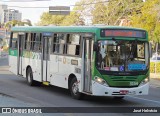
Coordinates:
[13,52]
[26,54]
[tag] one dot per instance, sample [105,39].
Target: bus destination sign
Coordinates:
[123,33]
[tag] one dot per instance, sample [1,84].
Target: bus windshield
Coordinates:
[122,55]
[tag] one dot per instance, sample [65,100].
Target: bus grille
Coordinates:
[131,78]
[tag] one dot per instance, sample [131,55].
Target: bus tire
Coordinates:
[74,89]
[29,77]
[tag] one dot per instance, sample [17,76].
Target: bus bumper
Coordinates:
[102,90]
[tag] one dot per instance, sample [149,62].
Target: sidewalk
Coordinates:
[6,100]
[3,54]
[155,79]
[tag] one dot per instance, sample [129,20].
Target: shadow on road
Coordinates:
[96,100]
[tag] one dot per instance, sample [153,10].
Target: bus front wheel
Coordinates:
[29,77]
[74,90]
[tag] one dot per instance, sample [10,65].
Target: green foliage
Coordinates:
[47,19]
[13,23]
[100,13]
[140,14]
[149,19]
[113,11]
[75,17]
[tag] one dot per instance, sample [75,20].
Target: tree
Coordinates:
[100,13]
[149,19]
[111,12]
[75,17]
[13,23]
[26,22]
[48,19]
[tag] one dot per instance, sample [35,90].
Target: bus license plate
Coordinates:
[123,91]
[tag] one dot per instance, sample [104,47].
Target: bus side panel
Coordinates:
[33,60]
[65,66]
[35,63]
[25,62]
[56,78]
[53,64]
[13,60]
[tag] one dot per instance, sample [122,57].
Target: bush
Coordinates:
[5,48]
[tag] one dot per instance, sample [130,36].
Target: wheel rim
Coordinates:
[29,77]
[75,88]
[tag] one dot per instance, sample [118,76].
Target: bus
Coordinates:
[92,60]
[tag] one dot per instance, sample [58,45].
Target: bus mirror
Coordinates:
[95,46]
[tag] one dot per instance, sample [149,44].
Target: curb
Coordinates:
[4,68]
[155,82]
[155,76]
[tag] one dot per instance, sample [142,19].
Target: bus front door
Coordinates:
[87,65]
[46,60]
[20,53]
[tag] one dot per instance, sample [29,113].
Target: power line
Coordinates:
[69,5]
[22,0]
[90,3]
[26,7]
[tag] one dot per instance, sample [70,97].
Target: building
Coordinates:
[9,14]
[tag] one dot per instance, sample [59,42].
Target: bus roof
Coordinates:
[91,29]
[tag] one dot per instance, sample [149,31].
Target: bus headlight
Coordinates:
[100,81]
[146,80]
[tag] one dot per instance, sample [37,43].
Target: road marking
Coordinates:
[145,99]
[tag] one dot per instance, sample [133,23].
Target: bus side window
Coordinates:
[55,48]
[37,42]
[33,40]
[62,43]
[14,41]
[73,44]
[27,41]
[58,43]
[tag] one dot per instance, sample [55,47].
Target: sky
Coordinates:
[34,14]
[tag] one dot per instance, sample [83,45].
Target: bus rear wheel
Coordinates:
[74,90]
[29,77]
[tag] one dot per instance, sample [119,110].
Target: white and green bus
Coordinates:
[93,60]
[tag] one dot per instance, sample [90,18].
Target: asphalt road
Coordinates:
[51,96]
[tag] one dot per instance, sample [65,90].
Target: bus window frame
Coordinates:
[41,37]
[29,36]
[11,38]
[52,43]
[10,42]
[65,33]
[81,34]
[74,44]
